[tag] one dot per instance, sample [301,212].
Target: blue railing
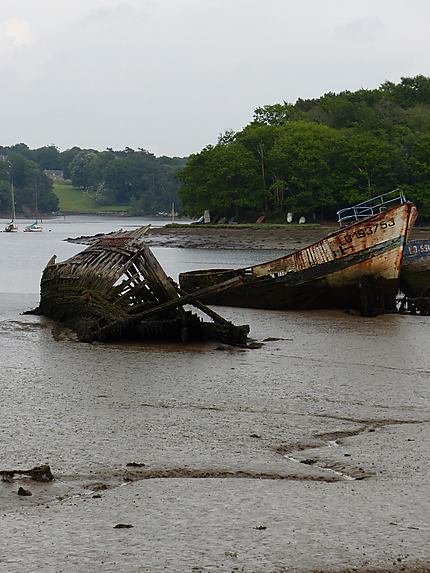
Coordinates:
[371,207]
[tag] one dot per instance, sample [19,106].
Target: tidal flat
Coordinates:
[310,453]
[284,238]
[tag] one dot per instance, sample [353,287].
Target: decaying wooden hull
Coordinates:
[415,271]
[355,267]
[116,289]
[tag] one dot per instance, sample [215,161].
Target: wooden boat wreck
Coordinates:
[415,271]
[116,289]
[354,267]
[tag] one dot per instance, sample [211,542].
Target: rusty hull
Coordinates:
[328,274]
[415,271]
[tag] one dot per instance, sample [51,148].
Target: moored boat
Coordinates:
[415,271]
[12,227]
[356,266]
[35,227]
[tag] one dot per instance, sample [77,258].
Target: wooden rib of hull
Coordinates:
[327,274]
[116,289]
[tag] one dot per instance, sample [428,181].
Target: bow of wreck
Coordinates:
[356,266]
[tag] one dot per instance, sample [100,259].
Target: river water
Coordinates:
[309,453]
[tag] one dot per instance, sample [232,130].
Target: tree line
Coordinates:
[310,158]
[318,155]
[148,184]
[134,178]
[32,187]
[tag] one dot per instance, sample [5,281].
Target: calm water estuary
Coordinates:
[309,453]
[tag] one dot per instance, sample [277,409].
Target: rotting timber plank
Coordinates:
[158,274]
[155,287]
[140,294]
[113,290]
[179,301]
[211,313]
[105,273]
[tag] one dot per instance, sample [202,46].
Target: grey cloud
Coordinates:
[362,30]
[116,13]
[170,75]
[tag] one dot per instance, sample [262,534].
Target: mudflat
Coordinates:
[310,453]
[285,238]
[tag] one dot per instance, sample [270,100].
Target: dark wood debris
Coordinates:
[38,473]
[116,289]
[24,492]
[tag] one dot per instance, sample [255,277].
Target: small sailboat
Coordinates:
[35,227]
[12,227]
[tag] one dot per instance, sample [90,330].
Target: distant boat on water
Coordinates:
[35,227]
[12,227]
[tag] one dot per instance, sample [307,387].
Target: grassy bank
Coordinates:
[74,200]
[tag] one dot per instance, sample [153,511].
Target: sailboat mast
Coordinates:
[13,201]
[37,202]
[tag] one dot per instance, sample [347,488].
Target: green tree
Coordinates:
[277,114]
[307,160]
[66,158]
[5,197]
[259,140]
[222,178]
[33,189]
[47,157]
[409,92]
[374,165]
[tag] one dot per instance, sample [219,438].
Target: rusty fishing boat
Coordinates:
[415,271]
[354,267]
[116,289]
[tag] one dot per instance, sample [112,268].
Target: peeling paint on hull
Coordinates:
[415,271]
[327,274]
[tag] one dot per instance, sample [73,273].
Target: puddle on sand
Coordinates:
[322,468]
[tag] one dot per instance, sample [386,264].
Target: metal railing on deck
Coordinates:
[370,207]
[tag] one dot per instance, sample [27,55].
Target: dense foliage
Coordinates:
[312,157]
[128,177]
[137,178]
[318,155]
[32,188]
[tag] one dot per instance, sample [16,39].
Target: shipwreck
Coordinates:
[415,278]
[415,271]
[116,289]
[355,267]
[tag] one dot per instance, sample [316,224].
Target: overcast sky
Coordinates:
[171,75]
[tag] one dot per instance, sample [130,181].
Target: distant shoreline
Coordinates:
[284,238]
[254,237]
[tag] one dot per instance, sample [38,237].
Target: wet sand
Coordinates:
[308,454]
[287,238]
